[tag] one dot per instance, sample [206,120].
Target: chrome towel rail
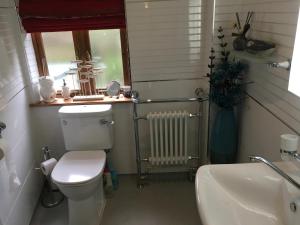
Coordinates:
[148,101]
[136,118]
[145,117]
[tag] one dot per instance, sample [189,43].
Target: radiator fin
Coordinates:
[168,137]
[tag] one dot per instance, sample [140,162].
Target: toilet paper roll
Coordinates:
[48,165]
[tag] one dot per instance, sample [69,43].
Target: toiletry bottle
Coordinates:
[65,90]
[288,146]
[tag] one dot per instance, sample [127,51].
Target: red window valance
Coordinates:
[67,15]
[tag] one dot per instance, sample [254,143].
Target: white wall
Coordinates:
[259,132]
[20,183]
[275,21]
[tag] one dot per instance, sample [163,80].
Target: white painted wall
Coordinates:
[259,132]
[20,183]
[275,21]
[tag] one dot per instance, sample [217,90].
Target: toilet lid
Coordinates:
[78,167]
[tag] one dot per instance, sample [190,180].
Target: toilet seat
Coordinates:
[78,168]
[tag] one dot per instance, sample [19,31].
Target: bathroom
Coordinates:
[161,50]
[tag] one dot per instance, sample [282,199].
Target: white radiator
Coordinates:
[168,138]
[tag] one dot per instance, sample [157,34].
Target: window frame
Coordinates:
[81,41]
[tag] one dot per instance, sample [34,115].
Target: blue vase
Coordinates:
[223,145]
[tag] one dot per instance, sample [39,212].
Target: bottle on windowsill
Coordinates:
[65,90]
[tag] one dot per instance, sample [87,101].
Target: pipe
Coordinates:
[137,147]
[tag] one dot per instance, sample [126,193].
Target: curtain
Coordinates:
[68,15]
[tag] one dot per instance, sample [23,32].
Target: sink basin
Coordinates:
[247,194]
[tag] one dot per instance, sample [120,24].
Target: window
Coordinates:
[107,48]
[107,52]
[59,52]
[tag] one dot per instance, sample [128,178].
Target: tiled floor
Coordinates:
[160,203]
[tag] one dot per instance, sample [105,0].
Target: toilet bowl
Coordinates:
[78,175]
[87,131]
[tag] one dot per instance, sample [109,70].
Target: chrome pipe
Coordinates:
[297,156]
[190,116]
[137,147]
[193,158]
[148,101]
[276,169]
[136,118]
[189,158]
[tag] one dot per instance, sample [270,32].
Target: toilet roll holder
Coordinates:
[51,196]
[2,127]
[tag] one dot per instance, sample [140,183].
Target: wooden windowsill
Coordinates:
[62,102]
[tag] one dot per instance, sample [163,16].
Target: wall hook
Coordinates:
[284,65]
[2,127]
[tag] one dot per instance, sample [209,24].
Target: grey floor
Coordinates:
[160,203]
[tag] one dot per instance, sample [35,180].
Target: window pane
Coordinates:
[107,52]
[59,50]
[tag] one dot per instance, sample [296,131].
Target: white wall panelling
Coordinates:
[260,132]
[20,184]
[6,4]
[275,21]
[167,39]
[11,79]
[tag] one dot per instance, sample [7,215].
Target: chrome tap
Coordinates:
[276,169]
[297,156]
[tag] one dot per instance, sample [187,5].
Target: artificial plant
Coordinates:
[226,76]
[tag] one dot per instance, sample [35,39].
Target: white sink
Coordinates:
[247,194]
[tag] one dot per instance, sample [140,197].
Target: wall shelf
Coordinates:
[257,59]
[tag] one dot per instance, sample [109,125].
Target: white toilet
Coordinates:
[87,131]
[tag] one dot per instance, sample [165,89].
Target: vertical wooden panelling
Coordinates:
[274,21]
